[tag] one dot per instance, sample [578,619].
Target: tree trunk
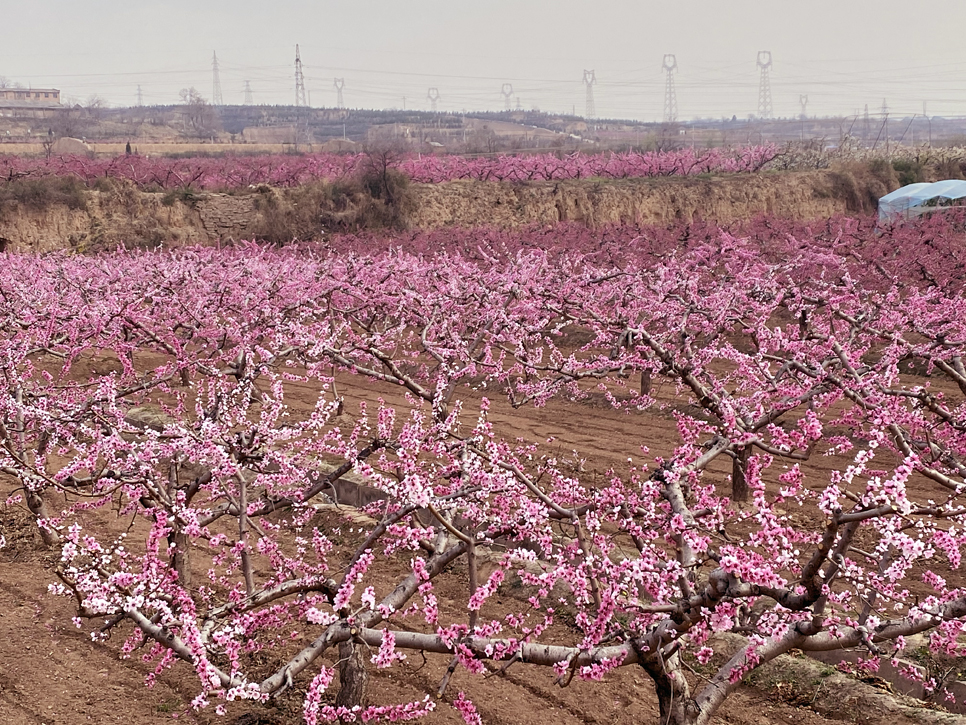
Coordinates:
[673,693]
[181,560]
[177,539]
[353,675]
[38,507]
[739,485]
[645,382]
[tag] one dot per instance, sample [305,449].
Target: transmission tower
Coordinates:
[339,85]
[764,85]
[519,104]
[249,101]
[433,95]
[885,123]
[670,95]
[803,100]
[299,80]
[590,79]
[140,97]
[216,99]
[867,124]
[507,91]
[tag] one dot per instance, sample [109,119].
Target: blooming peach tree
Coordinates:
[182,427]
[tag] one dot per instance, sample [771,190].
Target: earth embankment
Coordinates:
[122,215]
[805,195]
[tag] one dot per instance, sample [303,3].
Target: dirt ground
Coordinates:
[53,674]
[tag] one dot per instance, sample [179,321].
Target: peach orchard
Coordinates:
[773,348]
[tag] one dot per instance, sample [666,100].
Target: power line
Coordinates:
[630,92]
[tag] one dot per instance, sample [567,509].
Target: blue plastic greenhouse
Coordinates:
[917,199]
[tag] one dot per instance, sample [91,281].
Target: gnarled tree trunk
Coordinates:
[181,560]
[38,507]
[353,675]
[673,693]
[739,484]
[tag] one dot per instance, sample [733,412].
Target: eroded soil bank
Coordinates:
[122,215]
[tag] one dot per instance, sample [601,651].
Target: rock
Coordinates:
[68,146]
[149,416]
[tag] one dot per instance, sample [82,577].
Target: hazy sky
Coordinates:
[842,54]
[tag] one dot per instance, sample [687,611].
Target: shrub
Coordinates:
[184,194]
[293,215]
[910,171]
[368,200]
[949,169]
[39,194]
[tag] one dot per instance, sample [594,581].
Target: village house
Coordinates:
[29,102]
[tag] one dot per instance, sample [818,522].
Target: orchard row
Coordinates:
[234,172]
[812,381]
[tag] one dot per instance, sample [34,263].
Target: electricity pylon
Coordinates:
[507,91]
[670,95]
[339,85]
[764,84]
[299,80]
[216,99]
[590,79]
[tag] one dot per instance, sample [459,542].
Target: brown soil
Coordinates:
[794,195]
[53,673]
[120,215]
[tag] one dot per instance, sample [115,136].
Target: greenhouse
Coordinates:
[917,199]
